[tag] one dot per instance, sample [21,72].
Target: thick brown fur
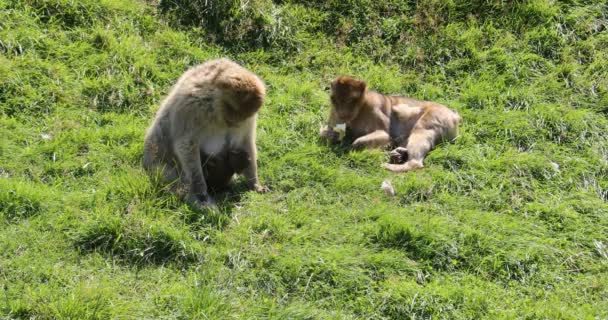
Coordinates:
[204,131]
[412,127]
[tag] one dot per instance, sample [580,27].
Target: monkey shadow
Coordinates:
[226,199]
[345,148]
[342,149]
[339,149]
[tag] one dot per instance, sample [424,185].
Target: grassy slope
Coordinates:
[491,228]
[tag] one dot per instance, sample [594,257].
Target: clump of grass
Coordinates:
[83,303]
[241,25]
[18,201]
[203,302]
[435,248]
[138,242]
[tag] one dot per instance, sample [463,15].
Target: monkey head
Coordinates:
[347,95]
[241,99]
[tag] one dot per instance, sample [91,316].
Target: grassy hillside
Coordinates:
[510,221]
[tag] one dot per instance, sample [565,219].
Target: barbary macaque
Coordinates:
[411,127]
[205,130]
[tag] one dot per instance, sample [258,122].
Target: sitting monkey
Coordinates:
[204,131]
[377,120]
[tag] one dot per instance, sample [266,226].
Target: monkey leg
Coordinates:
[189,158]
[420,142]
[404,167]
[239,160]
[217,171]
[167,175]
[162,165]
[375,139]
[153,151]
[245,161]
[156,163]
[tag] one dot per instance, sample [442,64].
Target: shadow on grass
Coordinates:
[227,199]
[145,224]
[360,158]
[339,149]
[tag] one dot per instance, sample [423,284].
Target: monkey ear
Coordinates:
[362,86]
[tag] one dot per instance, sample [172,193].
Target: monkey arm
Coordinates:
[333,119]
[189,158]
[328,132]
[251,169]
[375,139]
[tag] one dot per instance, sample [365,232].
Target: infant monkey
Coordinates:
[204,131]
[413,127]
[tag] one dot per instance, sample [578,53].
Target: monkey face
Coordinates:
[240,106]
[346,97]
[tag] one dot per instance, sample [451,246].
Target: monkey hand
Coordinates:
[331,135]
[398,155]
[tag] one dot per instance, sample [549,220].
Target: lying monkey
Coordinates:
[204,131]
[375,120]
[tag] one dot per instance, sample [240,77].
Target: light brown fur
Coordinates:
[204,131]
[374,120]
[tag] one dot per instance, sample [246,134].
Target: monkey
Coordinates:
[410,127]
[204,132]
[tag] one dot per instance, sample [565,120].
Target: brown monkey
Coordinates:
[412,126]
[204,131]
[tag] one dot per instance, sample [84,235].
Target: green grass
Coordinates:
[510,221]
